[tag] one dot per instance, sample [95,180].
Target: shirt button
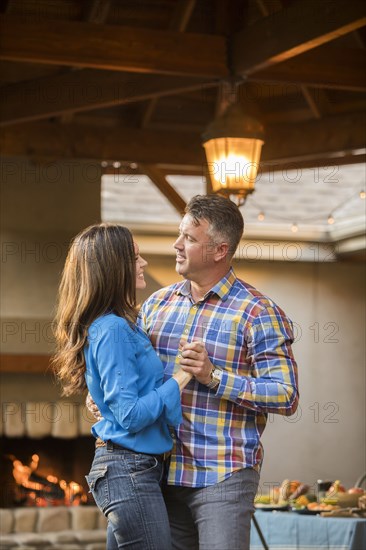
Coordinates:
[186,331]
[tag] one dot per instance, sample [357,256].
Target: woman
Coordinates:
[100,349]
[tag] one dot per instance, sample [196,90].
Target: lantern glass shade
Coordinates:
[233,164]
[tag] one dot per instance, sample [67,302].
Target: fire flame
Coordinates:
[22,473]
[43,491]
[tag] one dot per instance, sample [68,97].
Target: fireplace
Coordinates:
[44,457]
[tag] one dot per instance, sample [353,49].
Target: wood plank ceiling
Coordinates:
[137,81]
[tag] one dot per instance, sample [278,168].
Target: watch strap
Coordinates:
[216,375]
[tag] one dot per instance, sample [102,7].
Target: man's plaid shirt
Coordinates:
[249,337]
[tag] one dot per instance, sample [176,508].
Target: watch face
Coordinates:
[217,374]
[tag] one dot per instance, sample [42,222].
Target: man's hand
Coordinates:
[195,360]
[92,407]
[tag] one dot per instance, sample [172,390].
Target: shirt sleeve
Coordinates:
[273,387]
[115,355]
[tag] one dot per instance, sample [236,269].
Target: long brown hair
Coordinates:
[99,277]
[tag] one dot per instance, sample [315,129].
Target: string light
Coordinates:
[294,228]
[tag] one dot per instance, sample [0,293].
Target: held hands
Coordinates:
[195,360]
[92,407]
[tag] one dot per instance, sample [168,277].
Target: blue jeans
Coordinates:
[126,488]
[217,517]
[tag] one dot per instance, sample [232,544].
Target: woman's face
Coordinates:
[140,265]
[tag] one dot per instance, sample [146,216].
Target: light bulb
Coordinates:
[261,216]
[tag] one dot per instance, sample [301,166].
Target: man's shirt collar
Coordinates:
[221,289]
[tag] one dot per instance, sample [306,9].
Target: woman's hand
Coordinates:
[92,407]
[195,361]
[182,378]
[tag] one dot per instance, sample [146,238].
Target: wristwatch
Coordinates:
[216,376]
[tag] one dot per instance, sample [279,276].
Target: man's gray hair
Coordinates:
[224,217]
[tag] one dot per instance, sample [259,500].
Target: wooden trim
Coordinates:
[24,363]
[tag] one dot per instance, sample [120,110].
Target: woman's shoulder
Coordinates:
[110,329]
[110,321]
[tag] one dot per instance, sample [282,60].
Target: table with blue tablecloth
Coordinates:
[292,531]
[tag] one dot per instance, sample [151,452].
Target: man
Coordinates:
[237,344]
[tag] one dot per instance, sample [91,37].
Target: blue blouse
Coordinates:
[124,376]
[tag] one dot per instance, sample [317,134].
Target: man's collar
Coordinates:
[221,289]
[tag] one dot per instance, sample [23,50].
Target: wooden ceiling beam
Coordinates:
[159,180]
[75,141]
[316,139]
[325,67]
[86,90]
[298,28]
[113,47]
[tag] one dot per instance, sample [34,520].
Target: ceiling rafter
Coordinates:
[326,67]
[89,89]
[113,47]
[285,143]
[293,31]
[159,180]
[86,90]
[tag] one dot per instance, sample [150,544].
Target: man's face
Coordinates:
[194,249]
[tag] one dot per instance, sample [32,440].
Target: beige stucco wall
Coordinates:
[325,300]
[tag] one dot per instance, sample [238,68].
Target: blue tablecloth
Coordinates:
[291,531]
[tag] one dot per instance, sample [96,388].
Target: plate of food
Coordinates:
[314,508]
[305,510]
[272,507]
